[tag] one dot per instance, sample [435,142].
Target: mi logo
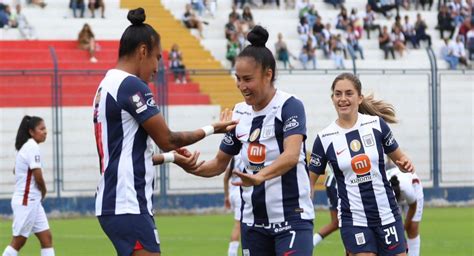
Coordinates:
[361,164]
[256,153]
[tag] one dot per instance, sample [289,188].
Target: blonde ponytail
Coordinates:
[373,107]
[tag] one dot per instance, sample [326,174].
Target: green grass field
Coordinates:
[444,231]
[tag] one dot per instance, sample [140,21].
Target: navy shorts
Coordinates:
[129,232]
[331,192]
[293,238]
[385,240]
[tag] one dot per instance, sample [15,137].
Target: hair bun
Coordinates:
[136,16]
[258,36]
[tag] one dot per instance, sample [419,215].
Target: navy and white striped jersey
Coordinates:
[121,104]
[259,139]
[356,156]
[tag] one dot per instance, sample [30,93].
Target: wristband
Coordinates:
[168,157]
[208,130]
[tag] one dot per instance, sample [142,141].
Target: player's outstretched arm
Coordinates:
[213,167]
[401,160]
[168,140]
[287,160]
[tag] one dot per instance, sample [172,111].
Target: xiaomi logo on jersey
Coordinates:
[361,164]
[256,153]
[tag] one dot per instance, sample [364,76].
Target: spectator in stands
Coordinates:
[199,6]
[464,28]
[325,40]
[4,16]
[96,4]
[27,31]
[356,22]
[282,52]
[231,27]
[342,19]
[408,30]
[420,29]
[303,30]
[176,64]
[398,40]
[425,2]
[234,13]
[233,49]
[39,3]
[308,53]
[318,28]
[247,17]
[335,3]
[456,9]
[77,5]
[86,41]
[352,39]
[458,51]
[470,43]
[369,21]
[337,51]
[191,21]
[397,23]
[445,22]
[447,55]
[385,43]
[382,7]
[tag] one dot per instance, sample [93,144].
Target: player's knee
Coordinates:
[46,239]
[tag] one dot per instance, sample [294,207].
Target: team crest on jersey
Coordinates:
[290,124]
[315,160]
[361,164]
[355,145]
[37,158]
[228,140]
[254,135]
[368,140]
[138,102]
[256,153]
[268,131]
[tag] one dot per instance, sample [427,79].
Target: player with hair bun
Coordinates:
[354,146]
[127,122]
[277,212]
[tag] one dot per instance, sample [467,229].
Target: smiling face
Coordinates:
[148,62]
[254,84]
[39,132]
[346,99]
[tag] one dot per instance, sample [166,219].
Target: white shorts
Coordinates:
[28,219]
[419,203]
[235,203]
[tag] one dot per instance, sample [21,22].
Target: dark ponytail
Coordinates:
[395,186]
[27,123]
[258,36]
[138,33]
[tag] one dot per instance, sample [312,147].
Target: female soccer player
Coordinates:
[331,192]
[232,201]
[277,212]
[354,145]
[125,117]
[410,198]
[30,189]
